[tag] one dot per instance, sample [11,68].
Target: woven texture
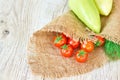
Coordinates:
[45,59]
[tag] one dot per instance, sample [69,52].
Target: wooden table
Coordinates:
[18,20]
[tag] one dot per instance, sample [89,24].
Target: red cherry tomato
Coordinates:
[67,50]
[88,46]
[60,40]
[81,56]
[100,41]
[73,43]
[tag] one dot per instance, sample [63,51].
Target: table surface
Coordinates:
[18,20]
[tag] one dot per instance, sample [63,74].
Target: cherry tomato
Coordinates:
[81,56]
[67,50]
[100,41]
[60,40]
[73,43]
[88,46]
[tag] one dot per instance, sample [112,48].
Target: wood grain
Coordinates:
[18,20]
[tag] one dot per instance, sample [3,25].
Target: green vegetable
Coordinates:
[104,6]
[112,50]
[87,12]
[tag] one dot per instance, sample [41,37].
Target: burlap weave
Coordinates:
[45,59]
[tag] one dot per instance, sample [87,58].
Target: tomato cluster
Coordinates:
[68,45]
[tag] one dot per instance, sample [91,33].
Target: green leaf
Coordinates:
[97,44]
[112,50]
[64,46]
[81,53]
[58,39]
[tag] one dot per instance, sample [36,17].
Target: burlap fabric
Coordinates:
[45,59]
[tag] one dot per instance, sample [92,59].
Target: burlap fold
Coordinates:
[45,59]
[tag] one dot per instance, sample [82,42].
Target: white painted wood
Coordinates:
[18,20]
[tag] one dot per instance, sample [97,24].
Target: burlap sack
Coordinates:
[45,59]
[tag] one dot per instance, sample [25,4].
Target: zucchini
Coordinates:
[87,12]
